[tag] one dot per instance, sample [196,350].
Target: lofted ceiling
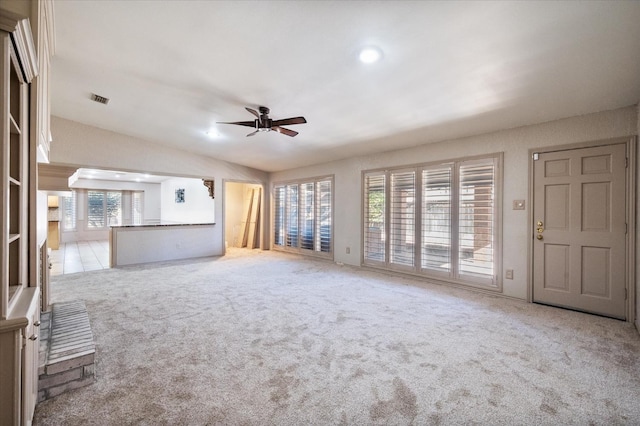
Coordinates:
[172,69]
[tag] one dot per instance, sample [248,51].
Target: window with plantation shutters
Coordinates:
[323,214]
[278,215]
[303,215]
[374,217]
[476,220]
[402,218]
[104,209]
[307,216]
[437,220]
[136,208]
[291,211]
[68,208]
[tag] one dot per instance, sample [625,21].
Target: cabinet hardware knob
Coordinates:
[37,323]
[34,337]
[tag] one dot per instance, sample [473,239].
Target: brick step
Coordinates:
[67,350]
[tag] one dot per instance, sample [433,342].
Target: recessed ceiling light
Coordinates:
[370,54]
[213,133]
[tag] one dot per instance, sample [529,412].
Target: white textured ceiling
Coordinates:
[172,69]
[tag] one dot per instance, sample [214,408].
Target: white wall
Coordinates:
[233,206]
[638,230]
[198,207]
[236,198]
[77,144]
[515,143]
[42,224]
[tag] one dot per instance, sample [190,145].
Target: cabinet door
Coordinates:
[30,366]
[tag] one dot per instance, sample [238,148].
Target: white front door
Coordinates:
[579,255]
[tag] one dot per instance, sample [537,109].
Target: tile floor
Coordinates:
[80,256]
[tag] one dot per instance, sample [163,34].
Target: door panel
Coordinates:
[579,255]
[556,273]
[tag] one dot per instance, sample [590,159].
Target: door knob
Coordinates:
[34,337]
[37,323]
[539,236]
[539,224]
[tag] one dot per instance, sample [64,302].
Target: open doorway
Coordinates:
[243,215]
[93,201]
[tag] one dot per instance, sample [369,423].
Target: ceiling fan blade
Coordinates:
[252,133]
[284,131]
[287,121]
[240,123]
[254,112]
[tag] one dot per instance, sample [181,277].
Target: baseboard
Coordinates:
[638,325]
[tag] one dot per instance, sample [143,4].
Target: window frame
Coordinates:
[105,211]
[281,214]
[493,282]
[69,202]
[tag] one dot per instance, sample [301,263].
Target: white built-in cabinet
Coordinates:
[19,294]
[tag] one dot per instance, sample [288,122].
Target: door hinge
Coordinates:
[626,294]
[626,228]
[626,162]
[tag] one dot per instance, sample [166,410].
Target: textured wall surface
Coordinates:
[81,145]
[515,143]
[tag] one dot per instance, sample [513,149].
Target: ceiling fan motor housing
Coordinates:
[264,124]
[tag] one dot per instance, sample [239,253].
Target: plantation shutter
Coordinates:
[323,216]
[303,216]
[95,209]
[477,217]
[114,208]
[402,218]
[374,217]
[278,221]
[136,207]
[291,216]
[69,212]
[436,218]
[307,216]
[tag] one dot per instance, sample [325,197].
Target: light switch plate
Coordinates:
[518,204]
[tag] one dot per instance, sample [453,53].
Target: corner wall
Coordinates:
[514,143]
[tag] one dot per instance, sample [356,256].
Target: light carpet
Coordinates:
[260,338]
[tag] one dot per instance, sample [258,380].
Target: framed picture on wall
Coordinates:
[180,195]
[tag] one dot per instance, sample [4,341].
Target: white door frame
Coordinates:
[630,176]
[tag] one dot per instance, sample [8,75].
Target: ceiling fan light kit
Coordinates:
[263,123]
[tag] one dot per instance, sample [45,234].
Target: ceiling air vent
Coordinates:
[99,99]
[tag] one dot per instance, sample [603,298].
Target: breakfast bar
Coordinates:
[136,244]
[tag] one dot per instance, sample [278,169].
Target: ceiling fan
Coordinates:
[263,123]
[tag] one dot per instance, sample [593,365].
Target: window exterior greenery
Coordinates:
[104,209]
[438,220]
[303,216]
